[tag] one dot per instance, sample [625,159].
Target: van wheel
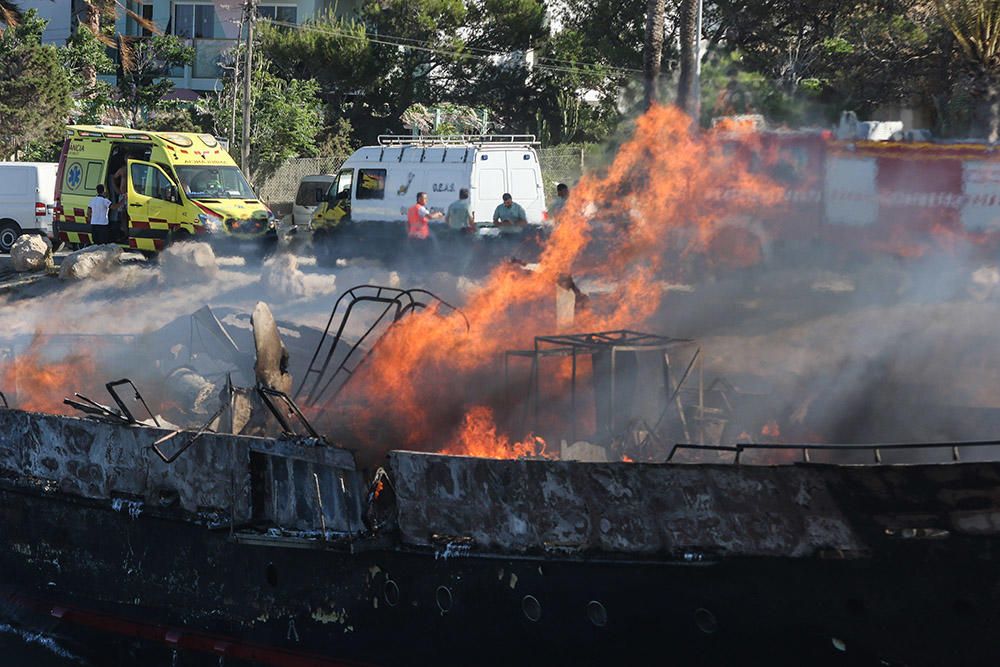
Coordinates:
[9,231]
[180,236]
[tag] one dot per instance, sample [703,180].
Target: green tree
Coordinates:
[975,25]
[84,57]
[407,75]
[286,120]
[578,102]
[493,72]
[34,87]
[806,62]
[144,66]
[333,52]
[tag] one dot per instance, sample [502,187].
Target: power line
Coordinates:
[417,45]
[486,53]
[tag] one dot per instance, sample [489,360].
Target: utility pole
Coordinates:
[251,17]
[234,92]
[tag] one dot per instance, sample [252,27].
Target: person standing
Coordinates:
[418,230]
[509,216]
[459,216]
[119,183]
[461,226]
[562,194]
[97,216]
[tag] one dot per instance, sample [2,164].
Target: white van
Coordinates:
[27,195]
[312,191]
[377,184]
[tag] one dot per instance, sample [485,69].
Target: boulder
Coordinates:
[89,262]
[281,276]
[188,262]
[31,252]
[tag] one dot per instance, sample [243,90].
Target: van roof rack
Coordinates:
[458,140]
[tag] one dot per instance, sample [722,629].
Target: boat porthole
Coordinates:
[597,614]
[705,620]
[271,573]
[443,598]
[531,607]
[390,591]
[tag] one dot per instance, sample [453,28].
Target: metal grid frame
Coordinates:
[573,345]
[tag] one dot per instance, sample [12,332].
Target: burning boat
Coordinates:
[125,539]
[377,513]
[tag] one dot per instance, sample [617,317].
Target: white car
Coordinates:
[27,195]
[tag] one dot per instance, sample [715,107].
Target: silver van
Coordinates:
[312,191]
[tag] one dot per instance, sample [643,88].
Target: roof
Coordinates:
[183,139]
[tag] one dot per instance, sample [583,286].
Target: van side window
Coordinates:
[95,175]
[371,184]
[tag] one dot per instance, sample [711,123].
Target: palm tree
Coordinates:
[975,25]
[10,14]
[89,18]
[687,85]
[652,53]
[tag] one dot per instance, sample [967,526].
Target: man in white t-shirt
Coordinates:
[97,216]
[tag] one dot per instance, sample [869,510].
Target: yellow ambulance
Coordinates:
[171,186]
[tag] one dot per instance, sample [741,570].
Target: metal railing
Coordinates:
[458,140]
[876,449]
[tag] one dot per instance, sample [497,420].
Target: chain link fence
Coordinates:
[559,165]
[278,190]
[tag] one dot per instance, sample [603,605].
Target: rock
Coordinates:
[984,282]
[582,451]
[92,261]
[271,367]
[31,252]
[281,276]
[192,392]
[188,262]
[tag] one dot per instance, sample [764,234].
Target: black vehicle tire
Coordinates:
[56,244]
[9,231]
[180,236]
[321,243]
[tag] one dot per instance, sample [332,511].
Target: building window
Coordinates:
[194,21]
[279,13]
[147,15]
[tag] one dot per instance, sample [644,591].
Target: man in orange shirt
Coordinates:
[418,230]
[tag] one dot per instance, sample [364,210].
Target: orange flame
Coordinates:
[771,430]
[478,437]
[41,383]
[625,227]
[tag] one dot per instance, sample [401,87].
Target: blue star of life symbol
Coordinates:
[74,176]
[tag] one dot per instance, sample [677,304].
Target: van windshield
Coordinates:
[207,182]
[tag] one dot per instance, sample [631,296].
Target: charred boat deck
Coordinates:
[281,552]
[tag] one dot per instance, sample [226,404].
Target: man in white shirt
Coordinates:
[97,216]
